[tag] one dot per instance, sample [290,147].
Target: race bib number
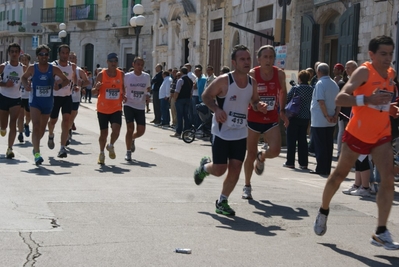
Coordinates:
[43,91]
[270,101]
[112,94]
[236,120]
[385,107]
[137,95]
[22,89]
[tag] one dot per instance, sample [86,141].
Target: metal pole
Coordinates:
[137,31]
[283,21]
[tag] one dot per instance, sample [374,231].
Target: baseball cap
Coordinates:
[112,56]
[339,66]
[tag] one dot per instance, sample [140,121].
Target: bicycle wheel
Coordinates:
[188,136]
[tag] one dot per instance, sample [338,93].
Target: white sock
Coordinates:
[221,198]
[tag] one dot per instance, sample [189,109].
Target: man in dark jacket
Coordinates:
[182,96]
[156,83]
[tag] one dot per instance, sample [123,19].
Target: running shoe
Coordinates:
[259,165]
[3,132]
[384,240]
[111,152]
[224,208]
[20,137]
[50,142]
[101,159]
[62,153]
[246,192]
[128,156]
[9,153]
[320,225]
[133,146]
[350,189]
[200,173]
[26,130]
[361,192]
[38,159]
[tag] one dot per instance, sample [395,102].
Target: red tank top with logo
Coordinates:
[269,92]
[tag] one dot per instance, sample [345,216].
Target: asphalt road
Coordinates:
[74,212]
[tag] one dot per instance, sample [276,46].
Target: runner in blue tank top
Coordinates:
[41,94]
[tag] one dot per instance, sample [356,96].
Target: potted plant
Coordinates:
[34,24]
[18,23]
[21,29]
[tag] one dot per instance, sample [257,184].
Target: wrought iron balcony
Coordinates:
[85,12]
[53,15]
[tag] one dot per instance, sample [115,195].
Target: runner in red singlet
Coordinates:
[271,90]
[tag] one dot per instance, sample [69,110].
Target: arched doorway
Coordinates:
[330,41]
[89,57]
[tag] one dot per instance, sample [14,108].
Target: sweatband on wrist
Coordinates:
[360,100]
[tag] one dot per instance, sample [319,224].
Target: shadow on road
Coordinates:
[394,261]
[243,225]
[63,163]
[268,209]
[43,171]
[140,163]
[11,161]
[111,168]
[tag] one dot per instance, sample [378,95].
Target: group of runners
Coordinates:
[247,103]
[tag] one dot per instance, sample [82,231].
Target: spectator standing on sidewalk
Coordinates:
[156,83]
[164,94]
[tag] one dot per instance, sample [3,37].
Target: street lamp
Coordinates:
[137,22]
[62,33]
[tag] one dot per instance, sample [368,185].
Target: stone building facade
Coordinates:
[96,28]
[19,23]
[317,30]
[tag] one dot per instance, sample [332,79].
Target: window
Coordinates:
[217,25]
[265,13]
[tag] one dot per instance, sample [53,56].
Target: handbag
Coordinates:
[293,107]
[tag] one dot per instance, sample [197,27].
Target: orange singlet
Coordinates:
[370,123]
[111,93]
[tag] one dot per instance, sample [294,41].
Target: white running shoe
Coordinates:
[320,225]
[361,192]
[246,192]
[349,190]
[384,240]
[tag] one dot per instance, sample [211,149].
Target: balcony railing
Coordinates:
[53,15]
[83,12]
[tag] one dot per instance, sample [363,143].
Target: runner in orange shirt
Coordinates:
[369,91]
[111,91]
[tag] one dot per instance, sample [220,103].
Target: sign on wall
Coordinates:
[35,42]
[281,56]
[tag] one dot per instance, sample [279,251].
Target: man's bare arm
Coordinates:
[213,90]
[24,79]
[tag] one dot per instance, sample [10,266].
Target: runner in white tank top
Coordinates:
[233,93]
[10,98]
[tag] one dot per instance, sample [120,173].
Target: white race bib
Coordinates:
[137,95]
[236,120]
[384,107]
[43,91]
[269,100]
[112,94]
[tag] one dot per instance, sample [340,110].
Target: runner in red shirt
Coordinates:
[271,90]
